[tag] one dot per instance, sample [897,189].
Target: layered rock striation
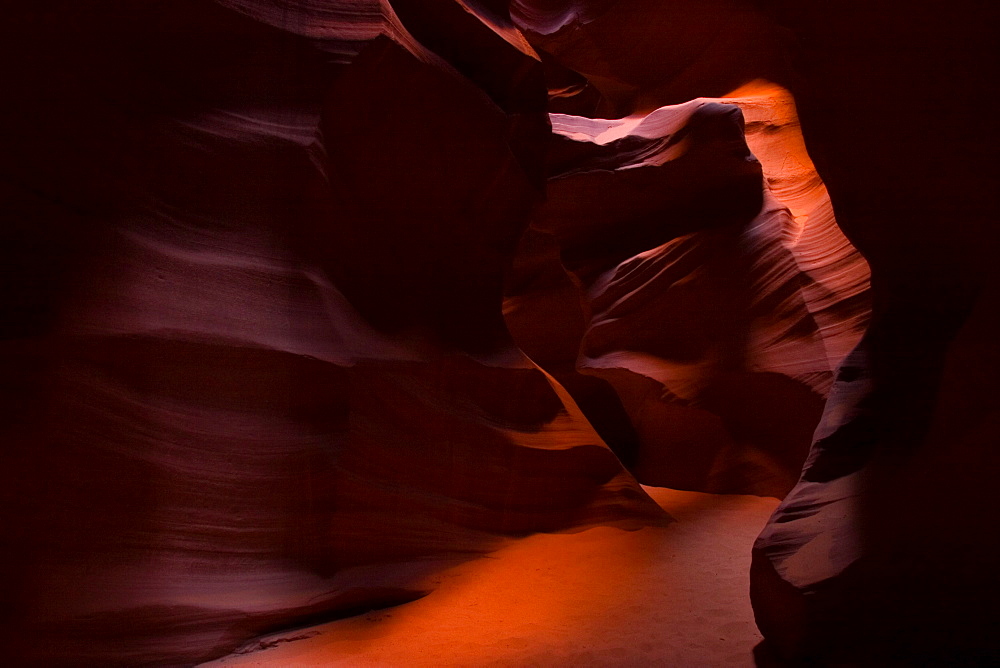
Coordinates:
[302,300]
[716,311]
[257,370]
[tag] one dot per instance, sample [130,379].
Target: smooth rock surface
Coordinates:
[303,302]
[715,310]
[256,367]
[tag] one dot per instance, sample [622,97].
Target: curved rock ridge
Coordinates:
[676,51]
[816,536]
[716,303]
[838,295]
[891,103]
[548,17]
[269,378]
[879,556]
[341,28]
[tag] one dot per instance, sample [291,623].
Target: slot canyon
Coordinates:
[499,333]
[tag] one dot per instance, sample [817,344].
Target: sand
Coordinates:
[660,596]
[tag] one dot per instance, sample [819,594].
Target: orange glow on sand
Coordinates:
[673,596]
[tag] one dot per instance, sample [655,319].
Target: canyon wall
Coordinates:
[256,370]
[303,300]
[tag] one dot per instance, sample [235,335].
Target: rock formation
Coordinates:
[715,310]
[880,555]
[257,369]
[304,299]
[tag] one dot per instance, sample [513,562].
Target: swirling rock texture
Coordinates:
[305,299]
[715,310]
[255,362]
[881,555]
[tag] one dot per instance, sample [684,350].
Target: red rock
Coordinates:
[863,563]
[273,381]
[257,369]
[718,330]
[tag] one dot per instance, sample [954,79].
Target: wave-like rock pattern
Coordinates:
[879,556]
[254,255]
[718,293]
[269,378]
[848,570]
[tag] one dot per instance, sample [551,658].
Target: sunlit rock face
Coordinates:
[716,295]
[880,555]
[849,569]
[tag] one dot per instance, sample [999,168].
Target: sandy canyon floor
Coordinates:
[660,596]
